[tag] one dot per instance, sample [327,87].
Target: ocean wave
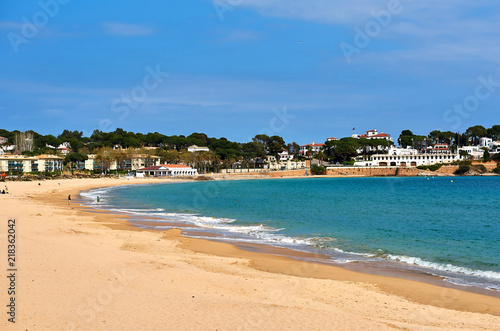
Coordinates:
[444,267]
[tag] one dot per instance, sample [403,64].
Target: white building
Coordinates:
[393,150]
[331,139]
[285,156]
[373,134]
[288,165]
[64,148]
[167,170]
[408,160]
[3,140]
[314,147]
[475,151]
[493,146]
[486,142]
[195,148]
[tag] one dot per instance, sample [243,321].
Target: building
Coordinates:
[167,170]
[331,139]
[21,163]
[3,140]
[408,160]
[285,156]
[315,148]
[131,163]
[195,148]
[288,165]
[64,148]
[441,148]
[373,134]
[475,152]
[493,146]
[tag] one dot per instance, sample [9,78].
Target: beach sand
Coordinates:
[83,270]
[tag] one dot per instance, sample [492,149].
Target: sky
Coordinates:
[305,70]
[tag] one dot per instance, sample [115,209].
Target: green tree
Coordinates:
[486,155]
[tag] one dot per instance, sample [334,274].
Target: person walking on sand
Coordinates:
[98,200]
[69,199]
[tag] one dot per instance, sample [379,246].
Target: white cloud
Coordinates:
[430,30]
[127,30]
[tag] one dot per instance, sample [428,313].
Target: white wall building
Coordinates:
[167,170]
[493,146]
[373,134]
[314,147]
[285,156]
[408,160]
[195,148]
[393,150]
[475,151]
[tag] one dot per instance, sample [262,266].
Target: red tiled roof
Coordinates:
[375,135]
[313,145]
[175,166]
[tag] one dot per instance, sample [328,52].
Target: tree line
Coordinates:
[222,152]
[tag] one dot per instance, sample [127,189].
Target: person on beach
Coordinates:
[69,199]
[98,200]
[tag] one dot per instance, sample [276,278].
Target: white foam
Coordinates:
[444,267]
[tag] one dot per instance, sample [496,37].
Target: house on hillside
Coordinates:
[373,134]
[315,148]
[285,156]
[195,148]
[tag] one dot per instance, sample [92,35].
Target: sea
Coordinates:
[444,227]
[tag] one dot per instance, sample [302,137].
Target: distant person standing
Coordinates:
[69,199]
[98,200]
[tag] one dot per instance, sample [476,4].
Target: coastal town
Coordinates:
[124,153]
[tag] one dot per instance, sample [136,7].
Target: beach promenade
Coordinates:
[82,269]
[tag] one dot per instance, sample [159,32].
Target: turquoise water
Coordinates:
[443,226]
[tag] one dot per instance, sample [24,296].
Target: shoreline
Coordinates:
[407,303]
[379,267]
[305,257]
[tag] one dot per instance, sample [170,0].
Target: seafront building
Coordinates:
[167,170]
[21,163]
[410,157]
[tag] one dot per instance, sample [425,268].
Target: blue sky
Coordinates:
[304,70]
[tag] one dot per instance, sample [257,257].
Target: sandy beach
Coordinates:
[80,269]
